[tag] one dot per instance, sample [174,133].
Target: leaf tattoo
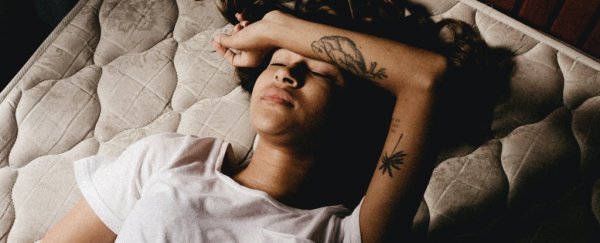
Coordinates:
[394,161]
[344,52]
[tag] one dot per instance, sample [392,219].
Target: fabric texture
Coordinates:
[169,188]
[116,71]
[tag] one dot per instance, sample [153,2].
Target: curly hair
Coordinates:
[475,81]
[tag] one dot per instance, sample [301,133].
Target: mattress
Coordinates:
[115,71]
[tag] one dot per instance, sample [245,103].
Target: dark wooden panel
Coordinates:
[576,22]
[538,13]
[592,44]
[574,18]
[505,5]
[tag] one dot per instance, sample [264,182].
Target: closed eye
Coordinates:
[321,75]
[318,74]
[313,73]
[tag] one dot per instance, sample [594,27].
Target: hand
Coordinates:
[247,44]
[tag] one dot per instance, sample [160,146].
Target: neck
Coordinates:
[278,171]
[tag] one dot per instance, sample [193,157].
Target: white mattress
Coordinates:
[115,71]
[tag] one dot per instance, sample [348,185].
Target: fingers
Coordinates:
[236,28]
[231,55]
[239,17]
[241,23]
[227,41]
[217,44]
[222,41]
[239,26]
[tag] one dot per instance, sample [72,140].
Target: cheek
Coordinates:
[318,104]
[260,80]
[257,87]
[320,95]
[264,120]
[256,115]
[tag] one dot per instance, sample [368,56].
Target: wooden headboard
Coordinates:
[575,22]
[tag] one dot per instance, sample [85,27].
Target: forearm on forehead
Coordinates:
[390,64]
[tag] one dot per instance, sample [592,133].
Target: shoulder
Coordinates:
[169,141]
[172,147]
[172,137]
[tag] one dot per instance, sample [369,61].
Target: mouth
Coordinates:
[279,97]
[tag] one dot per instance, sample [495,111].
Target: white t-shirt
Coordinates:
[169,188]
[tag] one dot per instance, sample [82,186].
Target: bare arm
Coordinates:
[401,176]
[80,224]
[410,73]
[390,64]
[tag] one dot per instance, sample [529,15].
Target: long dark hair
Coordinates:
[476,78]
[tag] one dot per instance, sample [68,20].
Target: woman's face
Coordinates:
[291,97]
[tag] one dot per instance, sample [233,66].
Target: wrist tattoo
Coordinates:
[392,162]
[344,52]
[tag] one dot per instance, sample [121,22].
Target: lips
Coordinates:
[278,96]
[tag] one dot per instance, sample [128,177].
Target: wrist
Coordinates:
[276,17]
[277,28]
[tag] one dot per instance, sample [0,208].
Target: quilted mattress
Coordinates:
[116,71]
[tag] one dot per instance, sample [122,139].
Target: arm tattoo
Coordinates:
[344,52]
[393,161]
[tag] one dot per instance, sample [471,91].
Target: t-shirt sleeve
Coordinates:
[350,227]
[112,186]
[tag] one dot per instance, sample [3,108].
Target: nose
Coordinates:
[288,76]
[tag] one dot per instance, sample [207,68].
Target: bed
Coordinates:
[113,72]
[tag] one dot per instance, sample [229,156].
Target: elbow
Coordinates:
[434,75]
[428,78]
[437,66]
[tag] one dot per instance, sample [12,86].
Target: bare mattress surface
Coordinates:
[115,71]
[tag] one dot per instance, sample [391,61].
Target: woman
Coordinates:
[172,187]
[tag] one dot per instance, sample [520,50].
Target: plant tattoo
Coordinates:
[394,161]
[343,52]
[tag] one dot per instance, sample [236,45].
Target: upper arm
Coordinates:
[111,186]
[80,224]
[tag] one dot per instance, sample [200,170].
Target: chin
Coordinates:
[269,126]
[269,120]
